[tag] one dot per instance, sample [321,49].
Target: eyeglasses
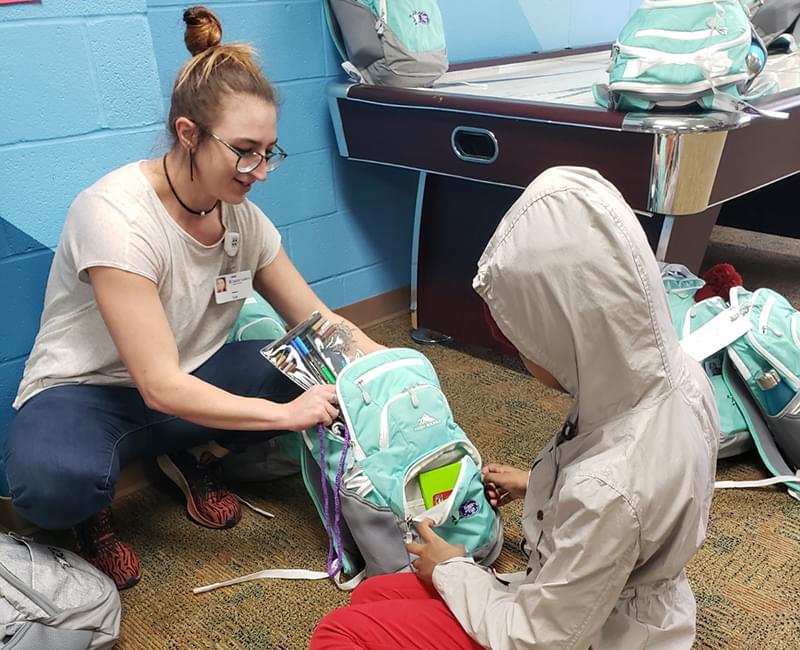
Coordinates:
[248,161]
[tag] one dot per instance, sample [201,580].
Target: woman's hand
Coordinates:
[317,405]
[433,551]
[503,483]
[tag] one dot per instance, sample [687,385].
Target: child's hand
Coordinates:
[503,483]
[433,551]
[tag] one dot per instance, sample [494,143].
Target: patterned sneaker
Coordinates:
[208,500]
[99,544]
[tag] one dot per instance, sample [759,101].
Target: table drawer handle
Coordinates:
[474,145]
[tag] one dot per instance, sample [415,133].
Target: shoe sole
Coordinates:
[174,474]
[131,582]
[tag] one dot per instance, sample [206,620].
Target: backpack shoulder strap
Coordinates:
[333,28]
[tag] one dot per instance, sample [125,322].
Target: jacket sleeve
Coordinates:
[595,549]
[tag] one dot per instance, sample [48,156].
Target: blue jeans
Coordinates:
[67,444]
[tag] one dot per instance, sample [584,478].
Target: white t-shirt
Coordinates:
[120,222]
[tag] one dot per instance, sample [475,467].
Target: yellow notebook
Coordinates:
[437,484]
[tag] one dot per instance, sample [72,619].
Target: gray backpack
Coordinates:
[51,599]
[778,23]
[389,42]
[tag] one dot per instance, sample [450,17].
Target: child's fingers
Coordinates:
[414,548]
[425,530]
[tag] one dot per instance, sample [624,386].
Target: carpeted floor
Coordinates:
[746,578]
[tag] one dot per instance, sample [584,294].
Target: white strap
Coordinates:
[380,24]
[264,513]
[774,480]
[353,72]
[725,102]
[348,585]
[286,574]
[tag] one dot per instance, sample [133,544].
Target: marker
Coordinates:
[315,361]
[307,362]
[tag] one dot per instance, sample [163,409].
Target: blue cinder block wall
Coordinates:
[83,90]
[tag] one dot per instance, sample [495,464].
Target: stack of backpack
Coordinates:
[685,53]
[389,42]
[754,367]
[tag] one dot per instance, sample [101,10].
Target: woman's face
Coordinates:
[245,122]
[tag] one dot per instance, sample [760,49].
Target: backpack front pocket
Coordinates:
[416,415]
[462,515]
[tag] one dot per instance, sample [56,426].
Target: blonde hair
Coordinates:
[214,72]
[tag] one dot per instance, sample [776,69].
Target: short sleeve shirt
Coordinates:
[120,222]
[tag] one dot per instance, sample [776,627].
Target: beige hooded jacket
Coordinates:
[618,503]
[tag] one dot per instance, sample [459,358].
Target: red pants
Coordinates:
[392,611]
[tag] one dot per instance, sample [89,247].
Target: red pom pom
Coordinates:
[720,279]
[497,335]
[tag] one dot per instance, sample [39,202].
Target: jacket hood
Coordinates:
[571,281]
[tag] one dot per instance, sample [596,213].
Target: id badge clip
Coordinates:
[231,243]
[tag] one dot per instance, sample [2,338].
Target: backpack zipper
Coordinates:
[409,392]
[377,371]
[660,4]
[775,362]
[795,329]
[689,57]
[677,35]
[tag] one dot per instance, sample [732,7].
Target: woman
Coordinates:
[617,503]
[130,359]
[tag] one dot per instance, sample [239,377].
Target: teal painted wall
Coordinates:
[84,85]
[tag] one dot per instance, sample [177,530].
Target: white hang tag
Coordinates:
[231,243]
[233,286]
[719,332]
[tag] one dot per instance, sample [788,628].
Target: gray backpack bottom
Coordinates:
[51,598]
[371,537]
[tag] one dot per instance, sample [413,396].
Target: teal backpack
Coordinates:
[771,345]
[397,426]
[389,42]
[366,474]
[766,412]
[257,321]
[279,456]
[679,53]
[687,317]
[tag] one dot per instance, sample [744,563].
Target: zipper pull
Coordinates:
[409,537]
[364,394]
[414,399]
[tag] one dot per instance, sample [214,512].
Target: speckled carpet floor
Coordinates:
[746,578]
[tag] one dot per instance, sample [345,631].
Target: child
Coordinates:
[617,503]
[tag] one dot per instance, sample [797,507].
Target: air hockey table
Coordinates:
[487,129]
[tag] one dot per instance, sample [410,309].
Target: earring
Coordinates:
[191,166]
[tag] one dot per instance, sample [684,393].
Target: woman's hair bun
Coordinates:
[203,30]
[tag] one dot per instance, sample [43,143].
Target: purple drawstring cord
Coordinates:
[335,535]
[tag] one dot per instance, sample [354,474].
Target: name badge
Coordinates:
[233,286]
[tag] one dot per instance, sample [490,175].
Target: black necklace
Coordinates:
[201,213]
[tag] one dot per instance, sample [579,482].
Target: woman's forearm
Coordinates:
[189,398]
